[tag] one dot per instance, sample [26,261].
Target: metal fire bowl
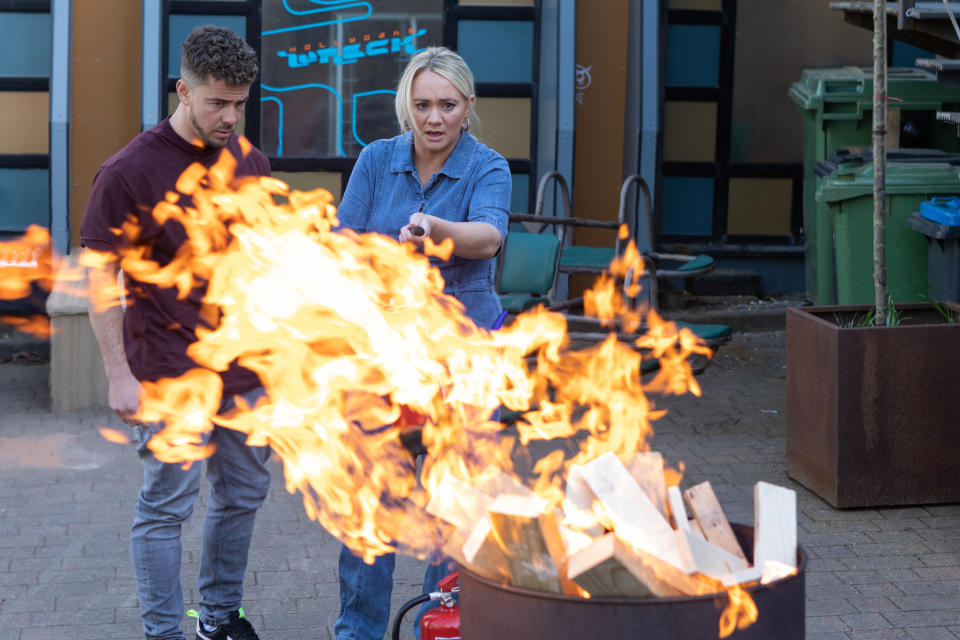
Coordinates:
[491,611]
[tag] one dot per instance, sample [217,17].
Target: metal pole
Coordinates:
[650,110]
[634,105]
[60,127]
[566,80]
[151,82]
[566,113]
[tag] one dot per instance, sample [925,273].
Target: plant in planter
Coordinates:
[873,411]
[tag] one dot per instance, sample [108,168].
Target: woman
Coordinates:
[433,180]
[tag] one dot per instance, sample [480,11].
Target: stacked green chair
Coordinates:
[527,270]
[582,259]
[532,259]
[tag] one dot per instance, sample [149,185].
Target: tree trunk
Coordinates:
[880,159]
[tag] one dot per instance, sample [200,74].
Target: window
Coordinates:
[731,174]
[25,63]
[329,72]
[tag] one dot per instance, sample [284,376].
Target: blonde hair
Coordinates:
[446,64]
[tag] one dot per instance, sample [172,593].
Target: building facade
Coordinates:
[691,94]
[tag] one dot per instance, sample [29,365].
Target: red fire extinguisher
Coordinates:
[440,623]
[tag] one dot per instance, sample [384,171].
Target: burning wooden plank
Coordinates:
[520,538]
[465,506]
[609,568]
[646,467]
[612,568]
[526,530]
[485,560]
[750,574]
[679,513]
[775,525]
[494,482]
[707,558]
[635,518]
[578,504]
[458,502]
[575,540]
[709,515]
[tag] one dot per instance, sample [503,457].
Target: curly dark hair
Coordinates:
[211,51]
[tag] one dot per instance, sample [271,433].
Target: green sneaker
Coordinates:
[236,628]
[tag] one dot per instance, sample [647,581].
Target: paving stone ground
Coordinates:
[66,499]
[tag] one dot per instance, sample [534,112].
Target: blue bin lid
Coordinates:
[945,211]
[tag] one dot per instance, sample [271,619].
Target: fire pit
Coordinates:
[491,611]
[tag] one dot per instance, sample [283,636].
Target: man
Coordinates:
[149,341]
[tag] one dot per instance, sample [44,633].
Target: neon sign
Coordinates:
[353,50]
[329,71]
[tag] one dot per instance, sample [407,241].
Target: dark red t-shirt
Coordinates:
[157,327]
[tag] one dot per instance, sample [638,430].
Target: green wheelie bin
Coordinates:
[848,192]
[837,108]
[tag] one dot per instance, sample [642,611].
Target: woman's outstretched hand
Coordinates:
[418,228]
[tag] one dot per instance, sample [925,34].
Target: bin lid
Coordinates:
[912,88]
[932,229]
[942,210]
[843,156]
[902,178]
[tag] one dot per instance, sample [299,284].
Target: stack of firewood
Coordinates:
[620,531]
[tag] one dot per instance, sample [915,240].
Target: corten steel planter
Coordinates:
[492,611]
[873,413]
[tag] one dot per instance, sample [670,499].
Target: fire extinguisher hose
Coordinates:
[395,634]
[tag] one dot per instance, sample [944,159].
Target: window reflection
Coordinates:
[329,71]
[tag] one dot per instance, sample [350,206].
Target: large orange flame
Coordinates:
[355,341]
[351,332]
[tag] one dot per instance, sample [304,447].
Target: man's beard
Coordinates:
[205,135]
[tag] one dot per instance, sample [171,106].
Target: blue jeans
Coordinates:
[239,481]
[365,591]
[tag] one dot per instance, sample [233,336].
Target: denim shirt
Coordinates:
[473,186]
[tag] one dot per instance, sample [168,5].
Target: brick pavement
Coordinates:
[66,498]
